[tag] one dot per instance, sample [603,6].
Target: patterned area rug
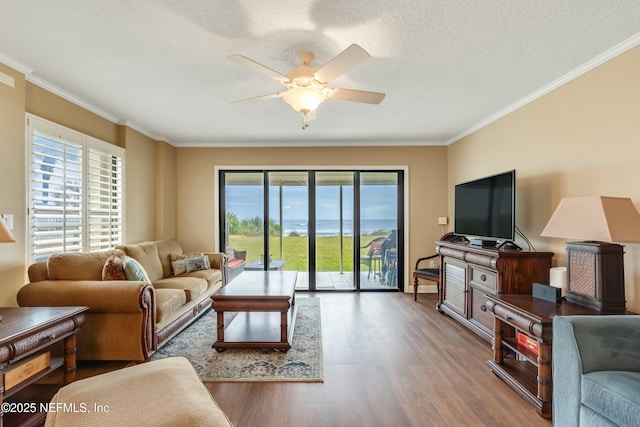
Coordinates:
[302,363]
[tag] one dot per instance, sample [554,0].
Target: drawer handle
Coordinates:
[483,277]
[49,338]
[483,307]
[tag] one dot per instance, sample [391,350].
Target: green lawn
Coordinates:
[295,250]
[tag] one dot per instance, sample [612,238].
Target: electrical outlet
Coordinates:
[443,220]
[432,264]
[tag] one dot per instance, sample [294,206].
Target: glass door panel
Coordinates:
[244,220]
[289,223]
[334,230]
[378,230]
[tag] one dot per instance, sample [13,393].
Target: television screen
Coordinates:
[485,208]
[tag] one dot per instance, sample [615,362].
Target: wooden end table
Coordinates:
[265,301]
[528,372]
[27,335]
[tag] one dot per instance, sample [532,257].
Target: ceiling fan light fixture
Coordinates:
[304,98]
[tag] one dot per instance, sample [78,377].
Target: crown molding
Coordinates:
[32,77]
[574,74]
[319,143]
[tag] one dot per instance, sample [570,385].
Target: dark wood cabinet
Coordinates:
[470,272]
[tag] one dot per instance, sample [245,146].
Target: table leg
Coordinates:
[283,327]
[498,331]
[70,359]
[545,382]
[220,327]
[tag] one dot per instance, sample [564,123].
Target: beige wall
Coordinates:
[52,107]
[141,195]
[581,139]
[12,189]
[426,178]
[150,171]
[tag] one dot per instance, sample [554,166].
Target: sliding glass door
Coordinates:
[334,230]
[341,230]
[289,222]
[379,225]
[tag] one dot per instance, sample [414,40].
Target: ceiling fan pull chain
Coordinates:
[305,123]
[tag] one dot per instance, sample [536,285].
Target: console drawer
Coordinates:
[486,278]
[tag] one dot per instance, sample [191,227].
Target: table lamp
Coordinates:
[5,233]
[595,267]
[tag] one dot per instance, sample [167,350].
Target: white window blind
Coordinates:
[77,191]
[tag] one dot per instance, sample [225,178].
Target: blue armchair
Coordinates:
[596,371]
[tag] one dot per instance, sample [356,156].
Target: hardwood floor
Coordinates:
[388,361]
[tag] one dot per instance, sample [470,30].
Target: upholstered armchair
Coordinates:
[596,371]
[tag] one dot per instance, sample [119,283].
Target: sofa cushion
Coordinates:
[212,276]
[192,287]
[114,269]
[179,263]
[78,266]
[197,263]
[613,394]
[134,270]
[147,254]
[168,301]
[235,263]
[165,249]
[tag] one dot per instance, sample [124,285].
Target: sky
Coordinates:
[377,202]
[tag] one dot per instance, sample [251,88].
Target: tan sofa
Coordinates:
[127,320]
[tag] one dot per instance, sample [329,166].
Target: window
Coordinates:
[76,188]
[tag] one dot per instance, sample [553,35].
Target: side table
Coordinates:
[28,354]
[525,363]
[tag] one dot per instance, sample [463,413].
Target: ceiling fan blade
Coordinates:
[259,98]
[355,95]
[349,58]
[256,66]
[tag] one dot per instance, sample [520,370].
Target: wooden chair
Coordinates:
[431,274]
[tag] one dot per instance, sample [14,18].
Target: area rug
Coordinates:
[302,363]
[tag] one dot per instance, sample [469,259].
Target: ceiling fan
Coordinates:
[306,86]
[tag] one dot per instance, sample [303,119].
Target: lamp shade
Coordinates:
[5,233]
[304,99]
[599,218]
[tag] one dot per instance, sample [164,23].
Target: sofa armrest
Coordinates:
[583,344]
[117,296]
[217,260]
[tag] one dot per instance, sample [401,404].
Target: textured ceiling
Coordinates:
[447,67]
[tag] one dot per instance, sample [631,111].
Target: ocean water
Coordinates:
[330,227]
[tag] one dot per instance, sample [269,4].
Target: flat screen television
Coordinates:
[485,209]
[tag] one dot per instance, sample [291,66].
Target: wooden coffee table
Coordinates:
[265,302]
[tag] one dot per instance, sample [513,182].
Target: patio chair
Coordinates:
[373,259]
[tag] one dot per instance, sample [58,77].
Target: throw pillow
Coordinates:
[114,269]
[230,253]
[178,263]
[134,270]
[198,263]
